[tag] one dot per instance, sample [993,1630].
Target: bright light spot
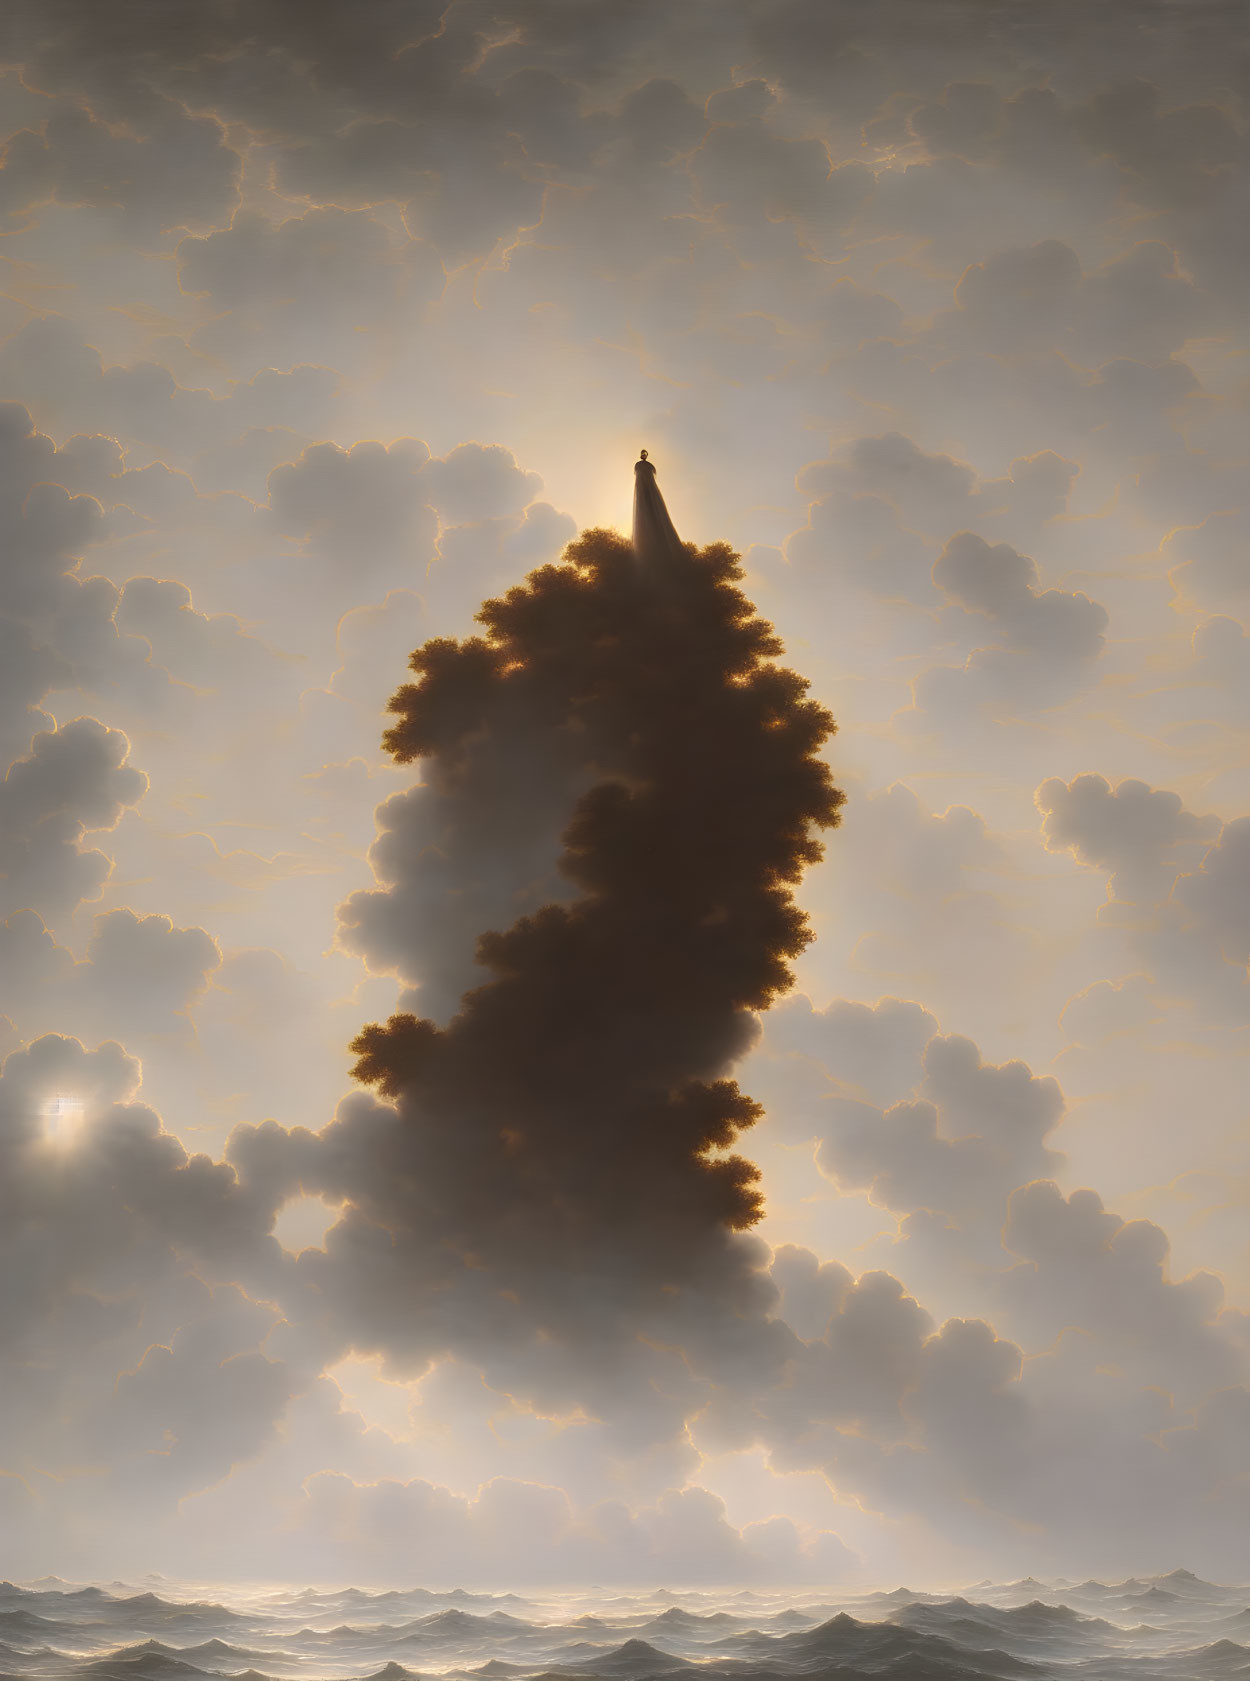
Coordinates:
[303,1223]
[62,1118]
[379,1401]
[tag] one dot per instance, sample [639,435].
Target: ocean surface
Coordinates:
[1171,1628]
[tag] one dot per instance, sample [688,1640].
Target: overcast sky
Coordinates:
[321,323]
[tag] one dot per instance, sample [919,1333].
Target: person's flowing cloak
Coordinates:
[655,536]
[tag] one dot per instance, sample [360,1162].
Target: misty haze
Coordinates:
[625,856]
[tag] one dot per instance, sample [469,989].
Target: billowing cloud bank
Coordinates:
[319,327]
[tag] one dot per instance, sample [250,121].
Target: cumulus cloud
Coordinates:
[1137,305]
[308,289]
[922,1125]
[916,885]
[1139,835]
[500,1532]
[358,504]
[175,172]
[872,1050]
[907,553]
[1085,1265]
[479,482]
[1001,585]
[139,977]
[963,1158]
[1045,641]
[76,780]
[107,1223]
[1176,883]
[378,517]
[976,1134]
[147,970]
[70,388]
[45,525]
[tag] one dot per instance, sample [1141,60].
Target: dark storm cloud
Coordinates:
[569,1118]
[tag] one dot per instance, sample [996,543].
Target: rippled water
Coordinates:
[1174,1627]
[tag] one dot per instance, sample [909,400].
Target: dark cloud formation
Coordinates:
[571,1118]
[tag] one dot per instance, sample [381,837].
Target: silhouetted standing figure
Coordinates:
[655,536]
